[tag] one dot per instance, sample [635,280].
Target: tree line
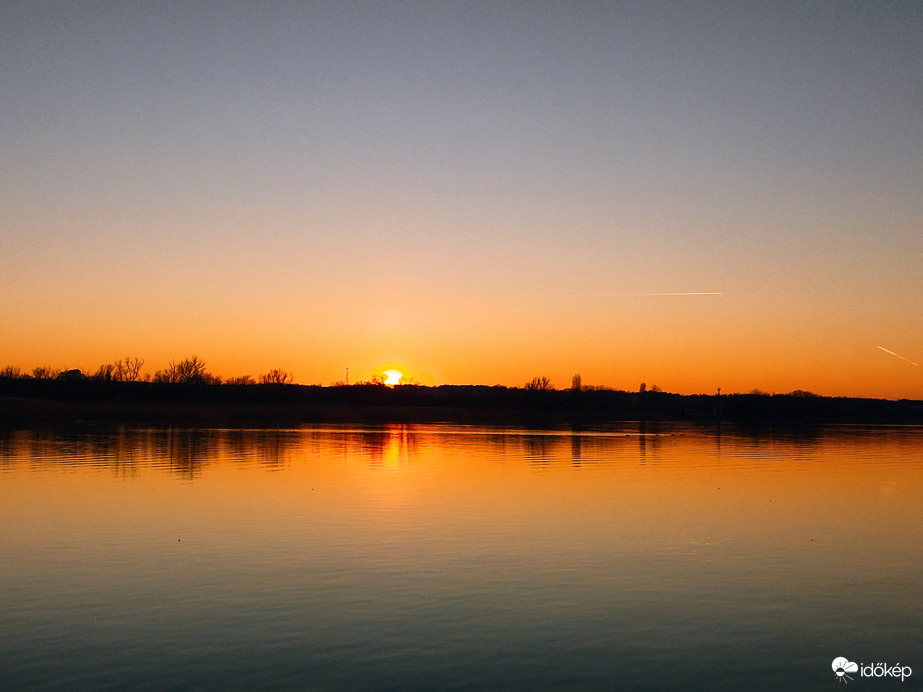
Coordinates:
[191,370]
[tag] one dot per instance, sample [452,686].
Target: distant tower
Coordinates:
[347,375]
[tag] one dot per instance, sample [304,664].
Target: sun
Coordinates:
[393,377]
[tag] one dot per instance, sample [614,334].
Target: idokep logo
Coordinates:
[843,666]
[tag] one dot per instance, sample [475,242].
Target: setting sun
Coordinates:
[393,377]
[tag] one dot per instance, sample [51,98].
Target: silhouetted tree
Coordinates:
[10,372]
[167,375]
[539,384]
[127,369]
[576,382]
[186,371]
[243,379]
[45,373]
[642,388]
[73,375]
[276,376]
[105,373]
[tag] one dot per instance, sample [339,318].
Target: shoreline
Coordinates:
[284,405]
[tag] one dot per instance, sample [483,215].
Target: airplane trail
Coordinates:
[637,295]
[897,355]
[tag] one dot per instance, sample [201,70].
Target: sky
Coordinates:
[469,192]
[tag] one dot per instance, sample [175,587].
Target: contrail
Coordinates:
[897,356]
[638,295]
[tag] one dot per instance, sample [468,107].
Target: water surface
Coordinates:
[446,557]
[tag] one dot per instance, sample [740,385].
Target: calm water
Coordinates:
[434,557]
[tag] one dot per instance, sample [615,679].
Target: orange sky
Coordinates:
[687,344]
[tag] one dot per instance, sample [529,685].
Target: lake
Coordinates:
[649,557]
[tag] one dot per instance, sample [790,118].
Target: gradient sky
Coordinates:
[470,192]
